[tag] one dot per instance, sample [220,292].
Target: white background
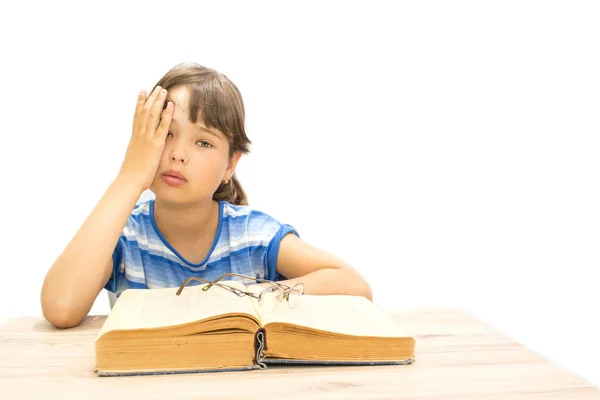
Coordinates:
[448,150]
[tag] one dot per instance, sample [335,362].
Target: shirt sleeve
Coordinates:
[273,252]
[118,274]
[263,234]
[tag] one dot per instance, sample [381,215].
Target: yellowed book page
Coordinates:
[152,308]
[348,315]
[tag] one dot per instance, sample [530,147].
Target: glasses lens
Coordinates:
[269,298]
[294,295]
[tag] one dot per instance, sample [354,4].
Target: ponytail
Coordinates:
[231,192]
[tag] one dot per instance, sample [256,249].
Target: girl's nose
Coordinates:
[177,156]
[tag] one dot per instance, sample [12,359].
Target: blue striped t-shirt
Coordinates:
[246,242]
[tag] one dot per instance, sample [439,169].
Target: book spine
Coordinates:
[260,344]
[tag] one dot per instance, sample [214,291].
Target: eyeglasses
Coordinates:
[267,299]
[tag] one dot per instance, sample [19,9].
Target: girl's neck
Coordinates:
[187,223]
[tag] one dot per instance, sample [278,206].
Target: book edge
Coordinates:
[274,361]
[104,373]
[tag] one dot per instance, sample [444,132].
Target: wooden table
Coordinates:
[457,357]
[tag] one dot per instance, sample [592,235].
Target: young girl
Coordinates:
[188,136]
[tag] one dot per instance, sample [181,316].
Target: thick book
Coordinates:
[157,331]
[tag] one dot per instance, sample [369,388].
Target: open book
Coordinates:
[153,331]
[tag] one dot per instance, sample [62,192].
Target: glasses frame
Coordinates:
[283,290]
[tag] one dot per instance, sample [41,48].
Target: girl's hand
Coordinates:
[147,142]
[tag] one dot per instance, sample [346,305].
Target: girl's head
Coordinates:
[206,138]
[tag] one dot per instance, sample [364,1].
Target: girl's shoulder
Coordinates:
[233,211]
[249,219]
[244,214]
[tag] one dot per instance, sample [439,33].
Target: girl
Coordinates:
[188,136]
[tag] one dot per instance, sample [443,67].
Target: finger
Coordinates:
[145,114]
[138,110]
[165,123]
[154,117]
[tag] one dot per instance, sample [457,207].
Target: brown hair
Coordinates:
[220,104]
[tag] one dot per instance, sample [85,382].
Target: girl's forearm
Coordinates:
[333,281]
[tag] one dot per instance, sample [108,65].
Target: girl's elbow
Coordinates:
[61,314]
[61,319]
[367,291]
[361,287]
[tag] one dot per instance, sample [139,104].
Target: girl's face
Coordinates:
[200,155]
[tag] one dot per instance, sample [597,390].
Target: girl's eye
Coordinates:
[202,142]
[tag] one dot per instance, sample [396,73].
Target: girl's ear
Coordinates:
[232,164]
